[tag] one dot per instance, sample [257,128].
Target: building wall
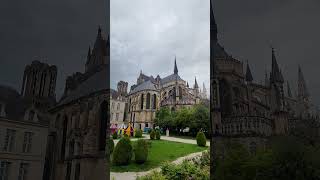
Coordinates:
[35,158]
[117,111]
[82,140]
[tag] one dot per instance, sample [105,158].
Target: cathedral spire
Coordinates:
[276,75]
[289,90]
[213,24]
[195,83]
[88,55]
[187,84]
[249,77]
[302,87]
[175,66]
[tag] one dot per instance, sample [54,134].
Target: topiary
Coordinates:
[158,135]
[138,133]
[110,145]
[122,153]
[152,134]
[115,135]
[141,151]
[201,139]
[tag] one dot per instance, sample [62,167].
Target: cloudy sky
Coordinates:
[57,32]
[248,27]
[147,35]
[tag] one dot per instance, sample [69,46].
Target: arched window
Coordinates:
[103,126]
[64,137]
[31,115]
[148,101]
[71,148]
[154,101]
[142,101]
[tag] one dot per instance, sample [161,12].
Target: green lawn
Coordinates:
[159,152]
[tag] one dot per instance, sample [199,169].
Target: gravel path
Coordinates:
[134,175]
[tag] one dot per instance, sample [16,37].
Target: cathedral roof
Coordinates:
[249,77]
[170,78]
[147,85]
[96,83]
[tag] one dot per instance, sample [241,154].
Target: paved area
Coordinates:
[134,175]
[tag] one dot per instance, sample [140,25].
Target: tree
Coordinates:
[164,118]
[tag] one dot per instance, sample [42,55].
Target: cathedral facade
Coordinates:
[249,111]
[149,94]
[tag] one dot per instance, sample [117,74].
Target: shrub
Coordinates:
[122,153]
[110,145]
[138,133]
[115,135]
[141,151]
[152,134]
[201,139]
[154,175]
[158,135]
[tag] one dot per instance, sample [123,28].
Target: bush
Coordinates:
[138,133]
[201,139]
[115,135]
[110,145]
[152,134]
[158,135]
[154,175]
[122,153]
[141,151]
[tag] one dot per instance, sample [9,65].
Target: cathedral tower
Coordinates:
[277,98]
[122,88]
[39,83]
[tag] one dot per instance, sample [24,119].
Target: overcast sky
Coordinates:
[57,32]
[147,35]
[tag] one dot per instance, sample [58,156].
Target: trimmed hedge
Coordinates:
[110,145]
[158,135]
[201,139]
[115,135]
[122,153]
[141,151]
[152,134]
[138,133]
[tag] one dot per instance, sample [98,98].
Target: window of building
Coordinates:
[142,101]
[4,170]
[23,171]
[117,116]
[154,102]
[27,142]
[112,106]
[146,125]
[148,101]
[31,115]
[71,148]
[9,140]
[77,173]
[118,106]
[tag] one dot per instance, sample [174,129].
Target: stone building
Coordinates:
[79,123]
[249,111]
[24,123]
[118,104]
[149,94]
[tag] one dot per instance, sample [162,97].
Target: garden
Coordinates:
[137,154]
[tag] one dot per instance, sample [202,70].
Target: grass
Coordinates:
[160,152]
